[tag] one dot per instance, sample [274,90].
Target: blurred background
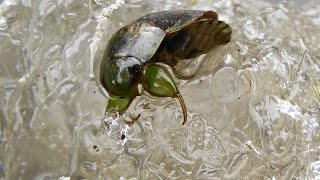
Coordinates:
[253,104]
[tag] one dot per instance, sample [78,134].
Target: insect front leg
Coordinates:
[158,81]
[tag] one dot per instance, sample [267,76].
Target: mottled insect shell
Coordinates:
[157,37]
[127,52]
[165,37]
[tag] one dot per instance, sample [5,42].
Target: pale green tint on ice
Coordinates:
[253,105]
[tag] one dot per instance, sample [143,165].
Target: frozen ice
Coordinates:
[253,104]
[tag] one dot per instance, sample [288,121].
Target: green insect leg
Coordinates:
[159,82]
[118,103]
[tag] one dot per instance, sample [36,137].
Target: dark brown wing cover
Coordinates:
[171,19]
[196,38]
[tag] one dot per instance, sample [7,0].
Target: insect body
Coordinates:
[165,37]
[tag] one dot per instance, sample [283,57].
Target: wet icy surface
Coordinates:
[254,104]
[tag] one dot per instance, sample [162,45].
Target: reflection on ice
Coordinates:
[253,105]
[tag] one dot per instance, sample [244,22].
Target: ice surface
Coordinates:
[253,105]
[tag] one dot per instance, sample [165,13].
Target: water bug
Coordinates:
[134,52]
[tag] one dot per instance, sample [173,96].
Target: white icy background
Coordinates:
[253,104]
